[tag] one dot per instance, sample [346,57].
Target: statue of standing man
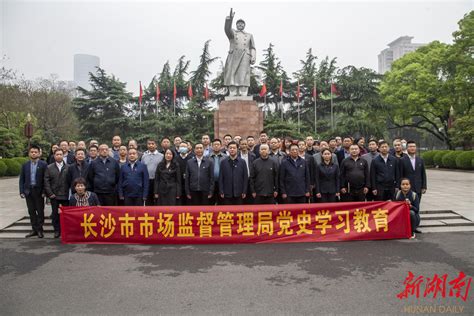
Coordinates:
[241,55]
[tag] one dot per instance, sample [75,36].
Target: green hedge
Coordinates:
[449,160]
[21,160]
[438,157]
[3,168]
[13,167]
[465,160]
[428,157]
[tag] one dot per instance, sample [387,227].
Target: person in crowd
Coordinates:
[31,189]
[263,140]
[275,151]
[264,177]
[116,144]
[248,157]
[316,146]
[93,153]
[72,147]
[327,178]
[309,145]
[151,158]
[226,140]
[369,157]
[251,143]
[413,168]
[177,140]
[123,154]
[168,180]
[133,182]
[132,143]
[397,148]
[165,144]
[303,153]
[94,142]
[355,177]
[338,140]
[233,177]
[318,159]
[81,145]
[294,178]
[199,180]
[57,188]
[384,174]
[412,199]
[182,159]
[68,156]
[361,143]
[53,148]
[344,152]
[82,197]
[237,138]
[286,145]
[217,157]
[103,177]
[206,142]
[78,169]
[404,146]
[333,146]
[190,148]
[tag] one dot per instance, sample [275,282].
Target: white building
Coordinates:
[83,65]
[396,50]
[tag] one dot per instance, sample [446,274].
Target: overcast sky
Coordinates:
[134,39]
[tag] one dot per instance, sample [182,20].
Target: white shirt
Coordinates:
[384,158]
[199,160]
[59,165]
[246,158]
[412,160]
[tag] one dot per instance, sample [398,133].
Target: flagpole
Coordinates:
[315,113]
[281,106]
[299,116]
[140,101]
[332,113]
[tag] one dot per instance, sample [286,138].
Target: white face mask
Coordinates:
[404,146]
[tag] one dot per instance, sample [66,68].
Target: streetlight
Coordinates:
[28,129]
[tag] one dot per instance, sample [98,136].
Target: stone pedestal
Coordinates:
[238,117]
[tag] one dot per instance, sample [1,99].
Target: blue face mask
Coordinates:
[183,150]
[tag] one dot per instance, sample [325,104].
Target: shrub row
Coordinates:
[453,159]
[11,167]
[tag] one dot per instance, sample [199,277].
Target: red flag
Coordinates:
[281,88]
[190,91]
[157,92]
[174,91]
[298,92]
[141,95]
[264,90]
[206,92]
[334,89]
[315,93]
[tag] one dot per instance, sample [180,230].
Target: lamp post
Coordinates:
[28,129]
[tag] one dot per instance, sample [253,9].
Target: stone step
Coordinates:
[25,229]
[440,216]
[447,229]
[22,235]
[436,211]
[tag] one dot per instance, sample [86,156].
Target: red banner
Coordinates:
[236,223]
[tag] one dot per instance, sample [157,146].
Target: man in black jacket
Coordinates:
[57,188]
[31,189]
[413,168]
[68,156]
[78,169]
[355,177]
[264,177]
[384,174]
[103,177]
[199,180]
[294,178]
[233,177]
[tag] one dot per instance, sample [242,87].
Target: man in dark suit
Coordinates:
[294,178]
[68,156]
[103,177]
[31,189]
[57,188]
[413,168]
[384,174]
[233,177]
[199,180]
[344,151]
[249,157]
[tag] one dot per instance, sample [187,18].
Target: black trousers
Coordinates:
[107,199]
[233,200]
[354,196]
[415,220]
[35,205]
[150,199]
[296,200]
[133,201]
[328,197]
[55,212]
[264,199]
[216,197]
[385,194]
[199,198]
